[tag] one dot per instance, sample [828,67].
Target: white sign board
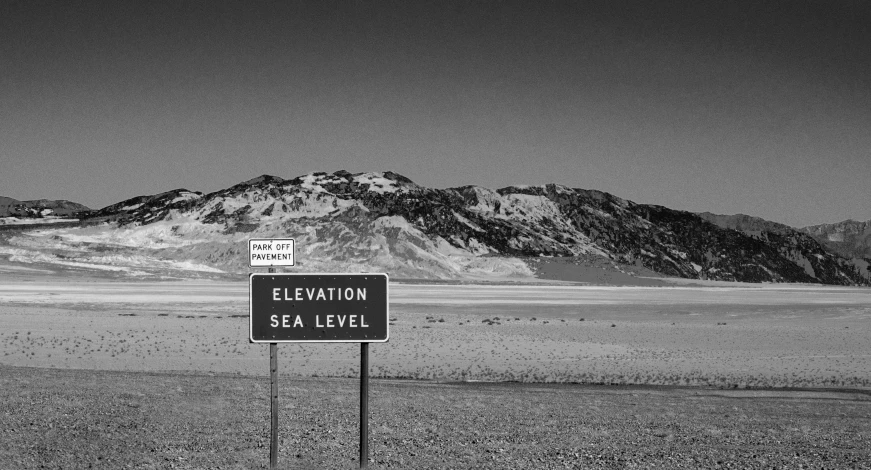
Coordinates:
[268,252]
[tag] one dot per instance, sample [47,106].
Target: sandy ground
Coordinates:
[746,335]
[76,419]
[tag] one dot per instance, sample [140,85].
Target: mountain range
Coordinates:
[384,222]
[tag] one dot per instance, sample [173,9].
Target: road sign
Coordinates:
[289,308]
[266,252]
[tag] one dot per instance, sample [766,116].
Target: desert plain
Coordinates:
[722,335]
[573,365]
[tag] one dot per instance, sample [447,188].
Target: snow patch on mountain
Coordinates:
[378,183]
[185,196]
[315,182]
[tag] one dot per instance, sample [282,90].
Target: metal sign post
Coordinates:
[271,252]
[273,379]
[364,405]
[273,402]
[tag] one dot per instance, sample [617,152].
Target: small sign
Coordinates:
[267,252]
[291,307]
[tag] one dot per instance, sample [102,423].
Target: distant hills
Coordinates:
[850,238]
[384,222]
[39,208]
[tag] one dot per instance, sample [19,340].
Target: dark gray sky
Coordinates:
[750,106]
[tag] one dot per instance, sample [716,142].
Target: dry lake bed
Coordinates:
[612,377]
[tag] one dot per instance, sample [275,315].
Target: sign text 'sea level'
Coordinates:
[319,308]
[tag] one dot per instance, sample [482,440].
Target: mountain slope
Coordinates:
[345,222]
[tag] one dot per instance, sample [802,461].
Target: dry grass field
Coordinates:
[127,374]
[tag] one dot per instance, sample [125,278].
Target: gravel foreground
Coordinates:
[51,418]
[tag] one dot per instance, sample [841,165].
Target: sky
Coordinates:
[746,106]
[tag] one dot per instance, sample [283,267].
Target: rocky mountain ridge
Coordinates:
[377,221]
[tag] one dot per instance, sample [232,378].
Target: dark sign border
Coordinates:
[358,340]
